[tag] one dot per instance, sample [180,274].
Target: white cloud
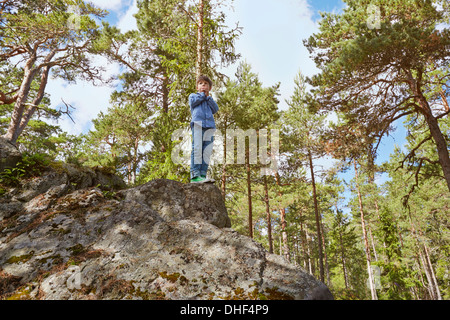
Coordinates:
[108,4]
[87,99]
[127,22]
[272,40]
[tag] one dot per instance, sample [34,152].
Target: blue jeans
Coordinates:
[202,147]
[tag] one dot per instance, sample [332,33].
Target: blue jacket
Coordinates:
[202,109]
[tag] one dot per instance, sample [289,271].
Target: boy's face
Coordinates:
[203,86]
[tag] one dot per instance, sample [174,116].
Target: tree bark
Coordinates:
[433,286]
[286,252]
[19,119]
[441,144]
[373,291]
[344,268]
[224,166]
[327,267]
[249,192]
[285,245]
[269,222]
[12,132]
[303,240]
[37,100]
[201,10]
[316,211]
[432,122]
[310,265]
[165,93]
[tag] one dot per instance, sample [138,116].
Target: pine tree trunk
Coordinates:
[433,280]
[373,291]
[372,240]
[327,269]
[269,222]
[432,274]
[201,10]
[36,102]
[303,241]
[310,266]
[441,144]
[432,122]
[284,234]
[249,192]
[419,271]
[12,132]
[316,211]
[425,267]
[224,166]
[165,93]
[344,268]
[283,222]
[433,287]
[371,171]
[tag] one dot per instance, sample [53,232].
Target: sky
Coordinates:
[271,42]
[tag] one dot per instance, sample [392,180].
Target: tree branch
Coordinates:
[413,152]
[67,112]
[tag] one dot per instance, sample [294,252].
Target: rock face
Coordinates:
[9,155]
[161,240]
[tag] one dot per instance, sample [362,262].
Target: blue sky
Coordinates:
[272,42]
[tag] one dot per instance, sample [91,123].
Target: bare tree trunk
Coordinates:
[419,271]
[165,93]
[284,234]
[249,192]
[12,132]
[432,274]
[224,166]
[316,211]
[327,269]
[269,222]
[373,291]
[19,119]
[201,10]
[433,287]
[310,266]
[344,268]
[34,105]
[303,241]
[372,240]
[422,262]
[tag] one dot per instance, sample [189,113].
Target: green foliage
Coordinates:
[31,165]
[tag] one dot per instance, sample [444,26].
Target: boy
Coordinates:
[203,107]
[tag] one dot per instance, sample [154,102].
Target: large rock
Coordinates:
[9,155]
[161,240]
[176,201]
[39,193]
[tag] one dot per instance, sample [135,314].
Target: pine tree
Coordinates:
[160,63]
[305,127]
[48,40]
[248,106]
[379,75]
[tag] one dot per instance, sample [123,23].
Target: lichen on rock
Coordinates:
[160,240]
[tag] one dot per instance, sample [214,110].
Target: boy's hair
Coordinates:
[204,78]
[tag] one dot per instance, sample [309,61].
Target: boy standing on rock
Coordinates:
[203,107]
